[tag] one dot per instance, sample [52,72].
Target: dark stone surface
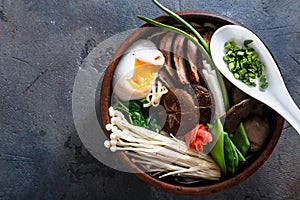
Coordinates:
[42,44]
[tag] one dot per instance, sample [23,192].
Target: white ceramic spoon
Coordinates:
[276,95]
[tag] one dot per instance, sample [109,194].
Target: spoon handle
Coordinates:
[288,109]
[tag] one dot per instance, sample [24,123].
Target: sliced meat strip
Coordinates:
[165,78]
[193,57]
[165,46]
[207,36]
[178,51]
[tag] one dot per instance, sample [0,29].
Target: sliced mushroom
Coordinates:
[237,114]
[257,130]
[181,111]
[202,94]
[210,25]
[205,103]
[178,51]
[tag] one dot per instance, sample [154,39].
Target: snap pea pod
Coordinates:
[240,139]
[217,152]
[224,153]
[240,155]
[231,157]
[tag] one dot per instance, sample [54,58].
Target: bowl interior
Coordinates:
[205,187]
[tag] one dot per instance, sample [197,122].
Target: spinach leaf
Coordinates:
[137,114]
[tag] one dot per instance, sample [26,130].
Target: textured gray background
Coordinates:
[41,47]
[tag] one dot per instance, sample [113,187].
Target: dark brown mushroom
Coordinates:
[237,95]
[257,130]
[195,25]
[181,110]
[238,113]
[205,103]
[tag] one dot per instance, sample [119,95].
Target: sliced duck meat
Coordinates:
[166,78]
[179,61]
[206,32]
[210,25]
[165,46]
[156,36]
[207,36]
[193,57]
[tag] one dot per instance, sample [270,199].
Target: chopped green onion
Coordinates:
[244,63]
[240,53]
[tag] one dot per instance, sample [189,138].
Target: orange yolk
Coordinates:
[144,73]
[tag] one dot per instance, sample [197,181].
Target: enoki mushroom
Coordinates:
[156,153]
[153,98]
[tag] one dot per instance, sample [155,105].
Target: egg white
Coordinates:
[144,50]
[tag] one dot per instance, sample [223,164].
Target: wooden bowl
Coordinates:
[205,187]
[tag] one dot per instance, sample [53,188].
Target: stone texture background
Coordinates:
[42,44]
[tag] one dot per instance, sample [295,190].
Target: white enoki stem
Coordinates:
[158,153]
[197,167]
[145,136]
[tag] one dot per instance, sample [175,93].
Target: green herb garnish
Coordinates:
[138,115]
[244,63]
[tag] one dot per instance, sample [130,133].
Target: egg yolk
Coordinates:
[144,73]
